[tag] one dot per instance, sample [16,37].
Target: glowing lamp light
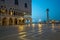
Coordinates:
[39,25]
[21,18]
[11,13]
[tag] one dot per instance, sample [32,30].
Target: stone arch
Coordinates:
[4,21]
[29,20]
[10,21]
[15,21]
[22,20]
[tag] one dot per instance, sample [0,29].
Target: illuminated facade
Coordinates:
[15,12]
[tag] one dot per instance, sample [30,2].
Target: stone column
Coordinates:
[17,21]
[8,21]
[30,21]
[1,20]
[13,21]
[25,21]
[7,12]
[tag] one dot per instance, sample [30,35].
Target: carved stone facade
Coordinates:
[15,13]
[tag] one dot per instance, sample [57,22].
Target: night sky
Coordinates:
[39,9]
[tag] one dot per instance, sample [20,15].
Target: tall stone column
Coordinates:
[47,11]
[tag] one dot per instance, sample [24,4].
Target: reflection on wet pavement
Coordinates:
[53,27]
[31,32]
[21,28]
[40,28]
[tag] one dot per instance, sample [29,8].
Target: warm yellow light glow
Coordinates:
[39,25]
[11,13]
[21,28]
[33,25]
[53,27]
[22,37]
[21,18]
[3,10]
[40,28]
[23,34]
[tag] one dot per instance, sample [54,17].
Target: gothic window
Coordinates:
[16,2]
[25,5]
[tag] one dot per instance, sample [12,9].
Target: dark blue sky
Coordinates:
[39,9]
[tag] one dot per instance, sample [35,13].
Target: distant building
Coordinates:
[15,12]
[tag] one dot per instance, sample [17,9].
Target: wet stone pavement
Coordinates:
[30,32]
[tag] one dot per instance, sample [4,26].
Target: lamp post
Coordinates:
[47,11]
